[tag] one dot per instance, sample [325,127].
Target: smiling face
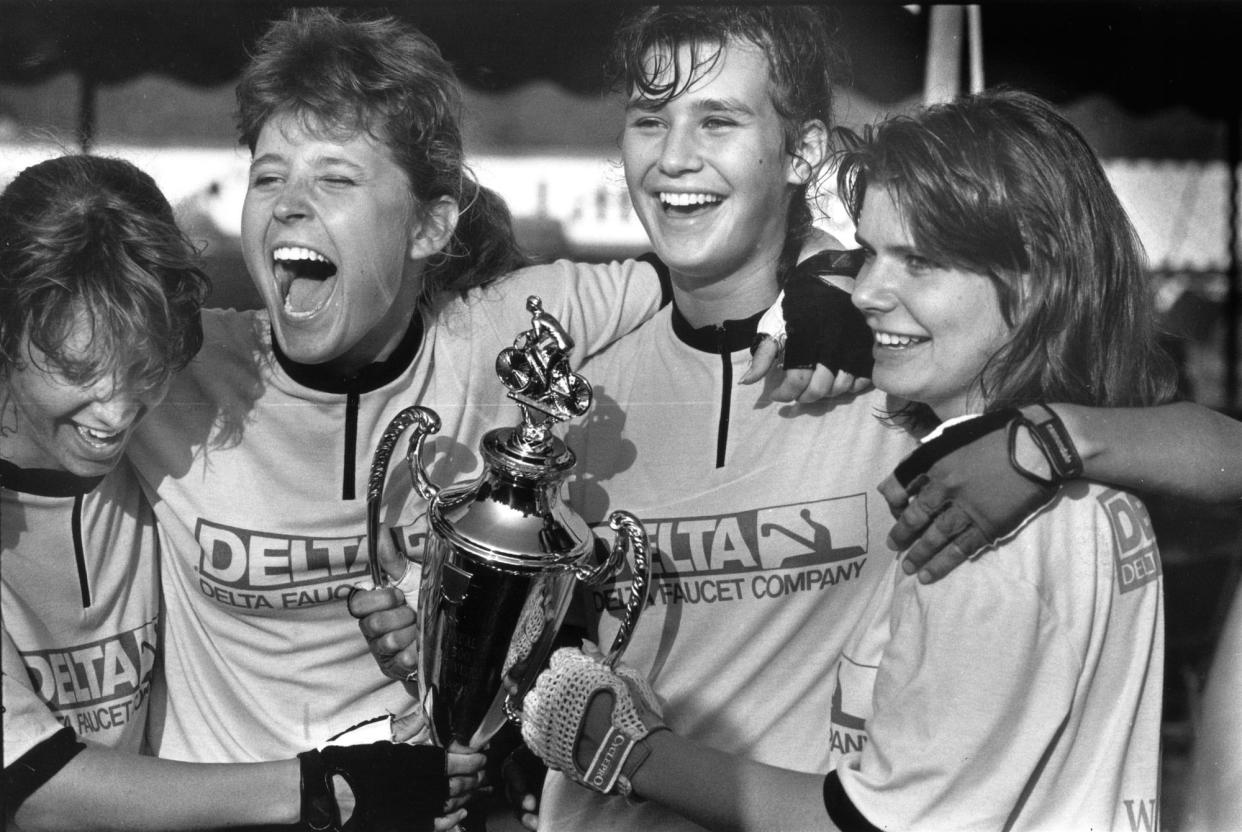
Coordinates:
[334,242]
[708,173]
[62,425]
[935,326]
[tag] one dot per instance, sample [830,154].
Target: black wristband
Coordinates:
[319,810]
[1053,440]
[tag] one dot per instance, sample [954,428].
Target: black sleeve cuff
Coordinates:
[662,272]
[841,809]
[38,765]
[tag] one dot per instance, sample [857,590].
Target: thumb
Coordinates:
[763,359]
[391,557]
[894,494]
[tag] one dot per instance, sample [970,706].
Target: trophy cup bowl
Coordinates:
[505,552]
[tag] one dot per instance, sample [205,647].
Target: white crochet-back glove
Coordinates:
[574,729]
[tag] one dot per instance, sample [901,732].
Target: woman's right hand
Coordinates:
[388,617]
[390,627]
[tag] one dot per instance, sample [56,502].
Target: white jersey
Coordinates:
[259,470]
[770,537]
[1022,692]
[79,596]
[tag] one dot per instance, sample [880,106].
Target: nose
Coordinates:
[293,202]
[873,290]
[118,407]
[680,151]
[118,411]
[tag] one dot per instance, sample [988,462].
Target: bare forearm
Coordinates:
[1176,450]
[104,790]
[727,793]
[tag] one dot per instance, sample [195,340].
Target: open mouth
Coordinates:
[304,277]
[896,341]
[102,440]
[686,204]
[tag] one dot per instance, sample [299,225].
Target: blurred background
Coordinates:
[1153,86]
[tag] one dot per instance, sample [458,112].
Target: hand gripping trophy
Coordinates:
[505,552]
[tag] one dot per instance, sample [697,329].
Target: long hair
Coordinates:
[381,76]
[1002,185]
[803,63]
[92,238]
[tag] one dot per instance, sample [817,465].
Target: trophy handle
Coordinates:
[425,421]
[631,537]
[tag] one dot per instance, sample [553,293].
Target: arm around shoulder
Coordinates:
[1176,450]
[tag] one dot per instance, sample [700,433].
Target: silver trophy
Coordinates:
[505,552]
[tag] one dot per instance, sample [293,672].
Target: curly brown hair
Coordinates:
[94,236]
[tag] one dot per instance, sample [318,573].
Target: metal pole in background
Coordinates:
[1233,299]
[974,26]
[942,80]
[86,113]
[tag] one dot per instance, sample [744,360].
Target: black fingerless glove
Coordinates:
[822,325]
[973,466]
[397,787]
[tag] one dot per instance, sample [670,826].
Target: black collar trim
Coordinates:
[45,482]
[730,336]
[371,377]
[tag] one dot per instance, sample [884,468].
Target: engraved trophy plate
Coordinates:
[505,552]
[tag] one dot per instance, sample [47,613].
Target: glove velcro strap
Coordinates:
[605,769]
[1053,439]
[319,811]
[922,458]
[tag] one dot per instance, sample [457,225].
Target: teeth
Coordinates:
[99,437]
[892,339]
[680,199]
[298,253]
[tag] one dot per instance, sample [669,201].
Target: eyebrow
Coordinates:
[704,105]
[319,161]
[265,158]
[902,249]
[715,105]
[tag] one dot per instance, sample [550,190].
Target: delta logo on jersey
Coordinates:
[851,706]
[1138,559]
[98,687]
[764,553]
[263,570]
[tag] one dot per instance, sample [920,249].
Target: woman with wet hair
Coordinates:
[100,298]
